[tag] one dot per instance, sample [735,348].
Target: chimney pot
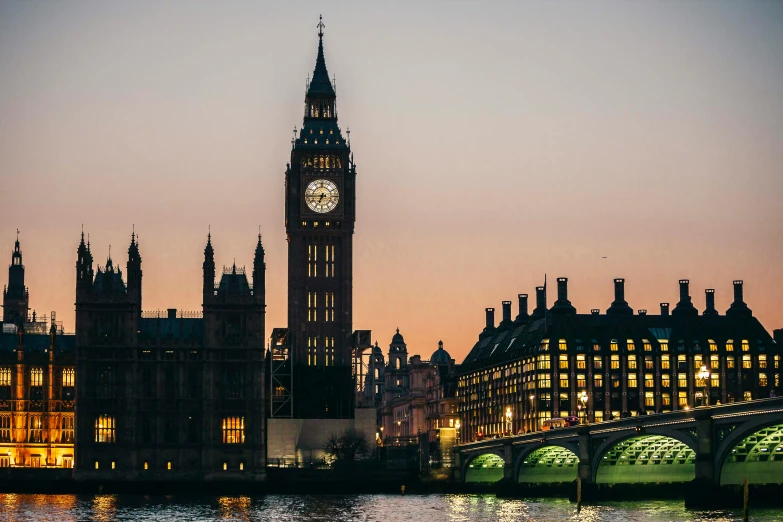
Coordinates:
[595,311]
[562,288]
[684,295]
[172,313]
[506,311]
[709,295]
[738,297]
[541,297]
[664,308]
[642,312]
[490,318]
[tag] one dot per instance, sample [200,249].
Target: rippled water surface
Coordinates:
[334,508]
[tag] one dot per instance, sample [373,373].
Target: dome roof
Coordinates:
[440,356]
[397,339]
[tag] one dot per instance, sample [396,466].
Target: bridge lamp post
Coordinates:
[508,420]
[457,425]
[704,375]
[583,405]
[532,412]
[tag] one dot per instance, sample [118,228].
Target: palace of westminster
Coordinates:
[136,395]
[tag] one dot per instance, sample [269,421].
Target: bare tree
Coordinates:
[348,446]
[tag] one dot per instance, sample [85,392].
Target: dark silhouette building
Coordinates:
[169,395]
[558,363]
[319,217]
[36,382]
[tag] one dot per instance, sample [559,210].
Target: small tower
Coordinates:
[15,296]
[209,270]
[134,271]
[84,272]
[259,273]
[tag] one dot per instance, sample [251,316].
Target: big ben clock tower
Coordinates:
[320,212]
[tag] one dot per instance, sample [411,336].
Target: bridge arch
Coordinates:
[755,452]
[548,464]
[484,468]
[646,458]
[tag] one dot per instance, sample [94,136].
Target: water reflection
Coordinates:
[350,508]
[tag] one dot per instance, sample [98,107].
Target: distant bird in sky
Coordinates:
[603,257]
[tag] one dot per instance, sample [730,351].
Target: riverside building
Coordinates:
[556,362]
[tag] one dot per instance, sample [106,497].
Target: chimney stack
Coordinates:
[620,305]
[490,319]
[664,308]
[738,307]
[506,321]
[563,305]
[522,306]
[540,310]
[709,295]
[685,306]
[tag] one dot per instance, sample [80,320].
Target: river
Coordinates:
[349,508]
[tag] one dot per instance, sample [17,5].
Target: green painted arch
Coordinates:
[547,465]
[759,457]
[485,469]
[647,459]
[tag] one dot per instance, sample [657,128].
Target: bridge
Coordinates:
[706,448]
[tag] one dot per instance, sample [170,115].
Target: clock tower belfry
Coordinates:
[320,212]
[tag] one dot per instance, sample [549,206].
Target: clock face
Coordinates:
[321,196]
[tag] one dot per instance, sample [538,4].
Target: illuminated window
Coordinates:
[113,464]
[715,380]
[312,260]
[598,362]
[225,466]
[580,362]
[596,347]
[68,376]
[544,380]
[664,345]
[746,362]
[5,427]
[563,345]
[747,396]
[649,399]
[66,433]
[714,362]
[35,432]
[630,345]
[646,346]
[682,380]
[649,364]
[762,379]
[682,399]
[666,399]
[613,345]
[168,465]
[631,362]
[329,351]
[632,380]
[762,361]
[581,382]
[312,306]
[233,430]
[665,362]
[563,382]
[97,465]
[745,345]
[730,345]
[598,380]
[545,345]
[697,361]
[241,466]
[329,259]
[5,376]
[563,362]
[730,363]
[329,306]
[36,377]
[615,362]
[146,465]
[105,429]
[648,380]
[682,362]
[312,351]
[713,345]
[666,380]
[777,361]
[543,362]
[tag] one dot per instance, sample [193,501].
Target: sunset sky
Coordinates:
[493,143]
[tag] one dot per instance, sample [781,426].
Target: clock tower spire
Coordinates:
[319,220]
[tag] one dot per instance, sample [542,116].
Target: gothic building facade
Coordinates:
[320,211]
[36,382]
[596,367]
[169,395]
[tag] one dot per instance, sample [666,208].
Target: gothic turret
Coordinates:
[259,272]
[209,270]
[134,270]
[15,296]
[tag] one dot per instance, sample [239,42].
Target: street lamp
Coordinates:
[508,420]
[704,375]
[457,425]
[532,419]
[583,400]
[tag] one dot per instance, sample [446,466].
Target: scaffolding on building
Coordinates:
[362,351]
[281,382]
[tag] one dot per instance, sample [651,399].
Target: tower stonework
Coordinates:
[15,296]
[320,212]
